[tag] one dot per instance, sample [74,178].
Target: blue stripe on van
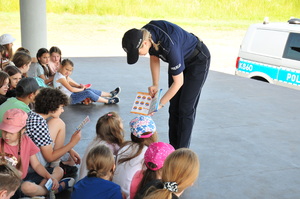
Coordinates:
[289,76]
[250,67]
[285,75]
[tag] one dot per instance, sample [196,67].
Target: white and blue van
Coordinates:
[270,52]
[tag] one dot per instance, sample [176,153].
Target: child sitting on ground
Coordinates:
[97,184]
[22,61]
[130,157]
[15,76]
[19,145]
[179,172]
[26,90]
[109,131]
[4,85]
[10,180]
[41,69]
[154,160]
[78,92]
[49,135]
[55,59]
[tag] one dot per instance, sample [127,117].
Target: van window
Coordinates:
[266,42]
[292,48]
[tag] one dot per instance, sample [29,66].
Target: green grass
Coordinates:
[276,10]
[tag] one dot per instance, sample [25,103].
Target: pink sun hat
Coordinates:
[156,153]
[13,120]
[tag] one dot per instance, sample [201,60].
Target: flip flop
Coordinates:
[69,182]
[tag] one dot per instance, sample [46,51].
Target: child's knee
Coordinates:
[29,188]
[59,172]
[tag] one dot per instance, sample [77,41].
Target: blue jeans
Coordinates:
[87,93]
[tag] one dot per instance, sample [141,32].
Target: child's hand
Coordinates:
[124,195]
[75,156]
[55,184]
[151,114]
[76,137]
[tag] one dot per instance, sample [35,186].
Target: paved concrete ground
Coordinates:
[246,132]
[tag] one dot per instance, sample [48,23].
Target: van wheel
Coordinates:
[260,79]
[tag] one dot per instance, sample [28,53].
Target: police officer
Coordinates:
[189,61]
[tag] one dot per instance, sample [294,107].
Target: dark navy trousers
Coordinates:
[183,105]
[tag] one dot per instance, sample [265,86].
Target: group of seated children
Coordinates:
[136,169]
[49,70]
[111,167]
[35,140]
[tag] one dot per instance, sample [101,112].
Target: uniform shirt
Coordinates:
[175,44]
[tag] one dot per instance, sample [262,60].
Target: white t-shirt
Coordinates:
[58,85]
[124,172]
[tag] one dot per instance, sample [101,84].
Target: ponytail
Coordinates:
[147,35]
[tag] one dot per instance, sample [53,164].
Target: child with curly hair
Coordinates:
[49,135]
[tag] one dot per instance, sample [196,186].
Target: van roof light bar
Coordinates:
[294,21]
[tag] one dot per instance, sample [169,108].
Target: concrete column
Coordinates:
[33,25]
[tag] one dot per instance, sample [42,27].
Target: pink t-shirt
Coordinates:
[28,148]
[137,178]
[53,67]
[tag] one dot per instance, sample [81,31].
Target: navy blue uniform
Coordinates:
[186,54]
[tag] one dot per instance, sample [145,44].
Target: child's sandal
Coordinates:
[69,182]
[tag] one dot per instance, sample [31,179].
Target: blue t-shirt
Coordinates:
[94,188]
[175,44]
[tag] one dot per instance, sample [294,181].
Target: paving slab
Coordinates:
[246,132]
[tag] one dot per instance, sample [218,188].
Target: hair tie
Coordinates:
[109,114]
[171,186]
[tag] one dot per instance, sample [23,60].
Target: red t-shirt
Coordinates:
[28,148]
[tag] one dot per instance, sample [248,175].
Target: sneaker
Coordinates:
[113,100]
[115,92]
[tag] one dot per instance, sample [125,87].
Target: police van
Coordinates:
[270,52]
